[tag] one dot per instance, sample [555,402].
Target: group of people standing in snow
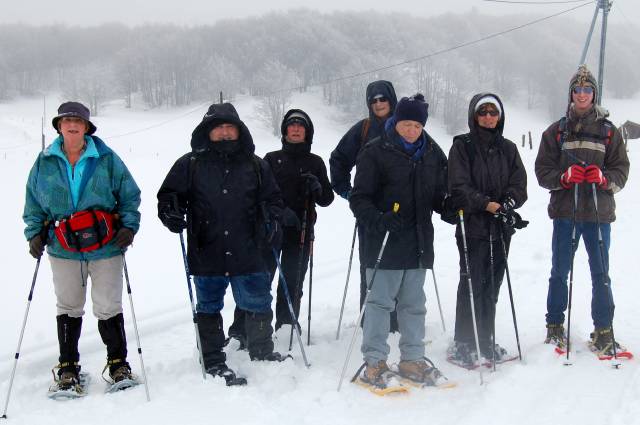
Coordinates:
[249,219]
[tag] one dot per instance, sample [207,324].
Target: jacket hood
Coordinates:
[473,125]
[219,113]
[309,127]
[384,88]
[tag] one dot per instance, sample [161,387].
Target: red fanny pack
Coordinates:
[85,231]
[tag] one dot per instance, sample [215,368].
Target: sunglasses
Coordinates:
[485,112]
[583,90]
[378,99]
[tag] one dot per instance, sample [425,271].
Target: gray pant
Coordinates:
[70,278]
[407,288]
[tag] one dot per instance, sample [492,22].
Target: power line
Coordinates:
[372,71]
[534,2]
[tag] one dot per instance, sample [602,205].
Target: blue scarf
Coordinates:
[414,150]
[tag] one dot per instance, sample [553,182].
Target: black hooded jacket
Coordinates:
[386,174]
[343,157]
[293,160]
[484,167]
[221,193]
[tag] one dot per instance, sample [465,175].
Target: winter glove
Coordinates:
[507,203]
[512,219]
[123,238]
[314,184]
[173,220]
[389,222]
[573,175]
[290,219]
[36,246]
[346,194]
[593,174]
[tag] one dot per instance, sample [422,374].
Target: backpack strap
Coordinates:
[561,133]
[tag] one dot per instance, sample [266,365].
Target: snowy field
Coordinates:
[540,390]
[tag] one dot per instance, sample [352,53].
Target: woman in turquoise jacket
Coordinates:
[82,203]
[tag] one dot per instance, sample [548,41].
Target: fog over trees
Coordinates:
[270,56]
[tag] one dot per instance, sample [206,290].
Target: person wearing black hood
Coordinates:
[225,192]
[488,181]
[381,102]
[302,178]
[404,166]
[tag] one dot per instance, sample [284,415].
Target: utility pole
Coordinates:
[605,6]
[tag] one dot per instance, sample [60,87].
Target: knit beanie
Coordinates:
[583,77]
[412,108]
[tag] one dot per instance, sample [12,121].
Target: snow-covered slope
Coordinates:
[539,390]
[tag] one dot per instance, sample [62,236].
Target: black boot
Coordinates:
[237,328]
[114,337]
[259,332]
[69,329]
[210,327]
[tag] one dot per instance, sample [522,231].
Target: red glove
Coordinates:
[593,174]
[573,175]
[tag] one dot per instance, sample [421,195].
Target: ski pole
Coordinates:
[44,233]
[513,309]
[346,284]
[396,207]
[311,241]
[299,276]
[193,307]
[473,309]
[574,246]
[24,324]
[492,278]
[605,273]
[435,285]
[135,325]
[294,319]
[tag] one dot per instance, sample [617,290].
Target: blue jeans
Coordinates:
[557,297]
[251,292]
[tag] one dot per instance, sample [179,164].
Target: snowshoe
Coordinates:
[274,356]
[223,371]
[378,379]
[557,337]
[422,373]
[602,342]
[68,384]
[501,356]
[461,354]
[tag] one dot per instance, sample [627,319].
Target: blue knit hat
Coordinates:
[412,108]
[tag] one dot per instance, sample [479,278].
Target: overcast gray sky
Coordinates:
[88,12]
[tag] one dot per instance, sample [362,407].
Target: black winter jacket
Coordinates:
[221,193]
[386,174]
[293,160]
[343,158]
[484,167]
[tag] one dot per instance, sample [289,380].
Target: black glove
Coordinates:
[389,222]
[512,219]
[36,246]
[346,194]
[314,184]
[123,238]
[290,219]
[173,220]
[507,204]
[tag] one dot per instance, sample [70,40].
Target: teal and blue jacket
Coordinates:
[99,180]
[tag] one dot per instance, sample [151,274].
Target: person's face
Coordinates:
[488,116]
[409,130]
[72,127]
[381,107]
[582,97]
[296,133]
[224,131]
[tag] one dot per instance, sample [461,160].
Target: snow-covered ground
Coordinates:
[537,391]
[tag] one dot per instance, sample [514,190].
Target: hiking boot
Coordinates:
[120,372]
[223,371]
[462,354]
[273,356]
[68,377]
[602,341]
[500,353]
[375,374]
[556,335]
[421,371]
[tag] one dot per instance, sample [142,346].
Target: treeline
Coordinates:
[168,65]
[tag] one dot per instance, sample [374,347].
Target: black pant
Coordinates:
[484,297]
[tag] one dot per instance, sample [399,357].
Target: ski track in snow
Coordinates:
[540,390]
